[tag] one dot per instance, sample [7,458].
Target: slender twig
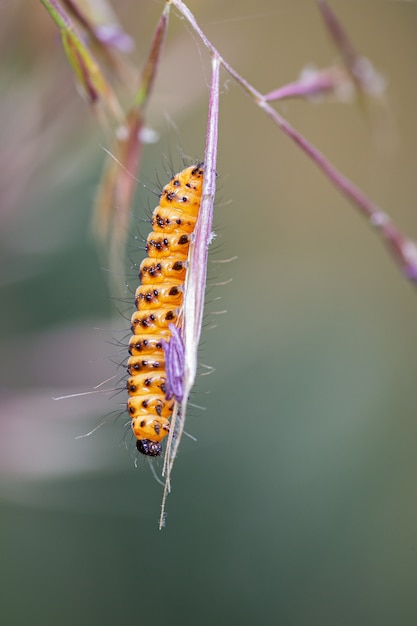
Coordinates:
[194,291]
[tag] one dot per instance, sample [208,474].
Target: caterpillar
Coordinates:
[158,301]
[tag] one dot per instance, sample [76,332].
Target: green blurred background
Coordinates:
[298,502]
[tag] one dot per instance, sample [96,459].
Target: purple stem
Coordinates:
[174,361]
[320,83]
[195,291]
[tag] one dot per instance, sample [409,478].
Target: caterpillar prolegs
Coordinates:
[158,300]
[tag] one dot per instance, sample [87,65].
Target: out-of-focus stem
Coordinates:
[151,66]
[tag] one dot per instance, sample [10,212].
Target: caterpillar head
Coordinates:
[148,447]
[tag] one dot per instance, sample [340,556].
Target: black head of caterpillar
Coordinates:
[148,447]
[158,300]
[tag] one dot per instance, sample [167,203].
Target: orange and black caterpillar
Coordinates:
[158,300]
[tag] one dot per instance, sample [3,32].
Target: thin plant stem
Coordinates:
[195,286]
[404,249]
